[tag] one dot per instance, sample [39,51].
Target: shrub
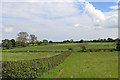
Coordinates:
[71,49]
[84,49]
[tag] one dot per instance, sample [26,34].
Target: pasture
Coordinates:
[76,65]
[65,46]
[25,56]
[87,65]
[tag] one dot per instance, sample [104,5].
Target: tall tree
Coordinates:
[13,42]
[33,38]
[22,37]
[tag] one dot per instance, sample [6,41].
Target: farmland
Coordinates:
[73,64]
[87,65]
[64,47]
[25,56]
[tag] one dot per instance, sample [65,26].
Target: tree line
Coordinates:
[24,39]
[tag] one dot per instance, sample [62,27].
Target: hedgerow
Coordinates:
[31,68]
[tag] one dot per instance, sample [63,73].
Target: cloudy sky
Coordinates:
[60,21]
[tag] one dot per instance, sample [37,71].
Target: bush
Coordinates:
[84,49]
[71,49]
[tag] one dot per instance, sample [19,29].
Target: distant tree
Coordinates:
[71,41]
[6,44]
[13,42]
[81,41]
[94,40]
[45,42]
[110,40]
[33,39]
[39,42]
[22,39]
[50,41]
[118,45]
[104,40]
[68,41]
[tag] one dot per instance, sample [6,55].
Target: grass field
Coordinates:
[87,65]
[64,47]
[25,56]
[77,65]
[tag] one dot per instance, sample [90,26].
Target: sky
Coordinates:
[58,21]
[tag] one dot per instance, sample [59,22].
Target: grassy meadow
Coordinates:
[87,65]
[9,56]
[76,65]
[65,46]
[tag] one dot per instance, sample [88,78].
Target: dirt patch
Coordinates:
[59,73]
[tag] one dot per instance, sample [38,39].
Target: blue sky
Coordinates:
[103,6]
[60,21]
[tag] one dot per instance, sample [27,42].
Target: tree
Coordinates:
[50,41]
[6,44]
[118,45]
[81,41]
[83,48]
[33,39]
[45,42]
[13,42]
[22,37]
[110,40]
[71,41]
[39,43]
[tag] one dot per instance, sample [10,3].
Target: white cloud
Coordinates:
[8,29]
[47,18]
[77,25]
[106,20]
[114,7]
[97,16]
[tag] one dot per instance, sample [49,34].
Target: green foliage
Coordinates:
[71,49]
[20,44]
[84,49]
[33,39]
[81,41]
[22,37]
[45,42]
[13,42]
[6,44]
[31,68]
[118,45]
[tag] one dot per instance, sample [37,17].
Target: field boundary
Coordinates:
[89,50]
[32,51]
[100,50]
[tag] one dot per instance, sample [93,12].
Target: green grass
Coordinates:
[87,65]
[78,64]
[64,47]
[25,56]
